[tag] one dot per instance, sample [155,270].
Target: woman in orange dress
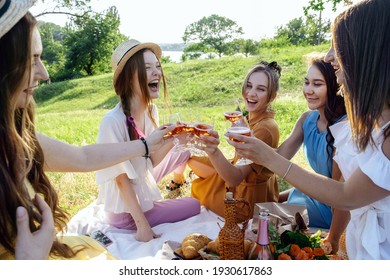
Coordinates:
[252,182]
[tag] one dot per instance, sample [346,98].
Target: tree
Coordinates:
[319,6]
[73,8]
[53,49]
[244,46]
[317,33]
[92,41]
[294,31]
[302,32]
[212,33]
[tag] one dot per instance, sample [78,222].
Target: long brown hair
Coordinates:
[125,89]
[362,42]
[22,159]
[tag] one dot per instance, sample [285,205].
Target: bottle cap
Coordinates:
[229,196]
[263,213]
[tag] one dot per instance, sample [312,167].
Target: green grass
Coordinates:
[72,110]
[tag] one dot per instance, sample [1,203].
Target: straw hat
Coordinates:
[126,50]
[11,11]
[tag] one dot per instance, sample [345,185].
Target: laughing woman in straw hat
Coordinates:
[130,194]
[25,154]
[360,55]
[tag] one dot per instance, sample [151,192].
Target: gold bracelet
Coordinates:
[288,170]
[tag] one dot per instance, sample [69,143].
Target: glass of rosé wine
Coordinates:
[183,132]
[233,113]
[202,126]
[242,130]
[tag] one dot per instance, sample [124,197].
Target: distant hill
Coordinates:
[173,47]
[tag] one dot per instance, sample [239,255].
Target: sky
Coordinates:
[164,21]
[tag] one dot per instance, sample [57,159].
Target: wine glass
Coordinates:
[175,119]
[202,126]
[233,113]
[242,130]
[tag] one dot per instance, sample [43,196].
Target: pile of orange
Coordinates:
[297,245]
[306,253]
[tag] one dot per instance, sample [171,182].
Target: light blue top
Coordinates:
[315,149]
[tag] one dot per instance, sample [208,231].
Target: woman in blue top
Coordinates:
[312,129]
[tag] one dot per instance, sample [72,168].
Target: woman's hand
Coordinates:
[249,147]
[145,233]
[334,243]
[34,245]
[160,137]
[209,144]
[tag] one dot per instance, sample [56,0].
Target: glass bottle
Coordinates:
[231,236]
[263,247]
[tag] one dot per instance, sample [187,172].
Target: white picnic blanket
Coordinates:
[126,247]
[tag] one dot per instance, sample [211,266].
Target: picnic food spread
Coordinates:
[198,245]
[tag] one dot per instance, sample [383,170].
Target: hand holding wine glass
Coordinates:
[175,120]
[202,126]
[241,130]
[182,134]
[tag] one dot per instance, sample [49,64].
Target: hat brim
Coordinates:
[122,62]
[12,12]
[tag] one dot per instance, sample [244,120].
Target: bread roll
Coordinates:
[192,244]
[213,246]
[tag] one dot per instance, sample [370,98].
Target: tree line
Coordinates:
[84,46]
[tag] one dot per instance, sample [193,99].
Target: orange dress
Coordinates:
[260,185]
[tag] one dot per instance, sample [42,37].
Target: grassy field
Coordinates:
[72,110]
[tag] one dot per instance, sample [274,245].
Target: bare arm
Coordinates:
[63,157]
[340,218]
[294,141]
[356,192]
[290,147]
[127,193]
[159,155]
[339,223]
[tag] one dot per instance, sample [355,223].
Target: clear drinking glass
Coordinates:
[232,112]
[202,126]
[175,119]
[242,130]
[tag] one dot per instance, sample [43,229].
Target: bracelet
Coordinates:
[146,147]
[288,170]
